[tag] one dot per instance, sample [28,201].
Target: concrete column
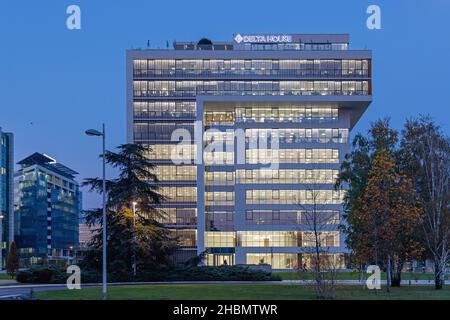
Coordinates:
[198,134]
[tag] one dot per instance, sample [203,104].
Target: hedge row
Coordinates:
[54,274]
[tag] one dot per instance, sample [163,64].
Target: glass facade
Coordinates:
[288,136]
[48,209]
[276,122]
[264,239]
[296,261]
[264,156]
[6,194]
[184,88]
[176,173]
[276,260]
[285,176]
[293,197]
[179,194]
[289,114]
[224,68]
[179,216]
[290,217]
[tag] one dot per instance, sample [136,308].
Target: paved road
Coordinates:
[11,292]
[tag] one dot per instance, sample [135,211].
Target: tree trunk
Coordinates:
[388,274]
[396,274]
[438,275]
[396,279]
[361,274]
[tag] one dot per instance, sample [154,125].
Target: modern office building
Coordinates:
[85,235]
[48,203]
[281,106]
[86,232]
[6,193]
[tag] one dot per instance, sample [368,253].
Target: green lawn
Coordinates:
[242,292]
[351,276]
[4,276]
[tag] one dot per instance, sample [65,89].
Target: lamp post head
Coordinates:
[93,132]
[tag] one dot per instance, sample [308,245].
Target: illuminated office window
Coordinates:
[219,220]
[177,152]
[164,109]
[276,260]
[145,131]
[298,135]
[286,114]
[294,197]
[185,237]
[218,158]
[175,173]
[158,88]
[267,239]
[284,176]
[325,239]
[217,178]
[284,67]
[291,217]
[220,239]
[264,156]
[179,194]
[219,198]
[327,260]
[180,216]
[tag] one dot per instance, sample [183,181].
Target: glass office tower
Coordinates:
[281,107]
[48,203]
[6,193]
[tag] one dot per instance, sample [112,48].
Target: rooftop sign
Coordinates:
[264,38]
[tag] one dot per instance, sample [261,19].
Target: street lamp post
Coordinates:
[134,235]
[92,132]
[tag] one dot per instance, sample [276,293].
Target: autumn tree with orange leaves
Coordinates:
[388,216]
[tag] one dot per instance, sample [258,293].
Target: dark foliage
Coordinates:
[139,234]
[53,274]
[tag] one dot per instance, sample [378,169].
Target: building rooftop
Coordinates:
[266,42]
[48,163]
[313,42]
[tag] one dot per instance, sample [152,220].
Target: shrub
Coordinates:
[12,261]
[42,274]
[206,273]
[54,274]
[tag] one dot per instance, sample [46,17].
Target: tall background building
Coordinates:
[6,193]
[48,203]
[305,91]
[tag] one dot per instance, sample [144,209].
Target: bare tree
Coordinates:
[426,153]
[317,222]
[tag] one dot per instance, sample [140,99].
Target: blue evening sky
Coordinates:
[55,83]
